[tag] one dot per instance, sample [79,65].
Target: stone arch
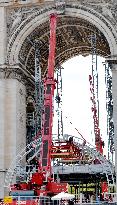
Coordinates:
[95,18]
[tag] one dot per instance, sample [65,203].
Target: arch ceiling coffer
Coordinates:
[73,38]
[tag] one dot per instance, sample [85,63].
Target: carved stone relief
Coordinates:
[18,18]
[21,16]
[15,73]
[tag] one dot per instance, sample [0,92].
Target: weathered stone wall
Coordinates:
[12,123]
[14,119]
[16,23]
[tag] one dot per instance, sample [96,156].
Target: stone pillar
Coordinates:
[2,108]
[12,121]
[3,34]
[114,94]
[15,118]
[2,169]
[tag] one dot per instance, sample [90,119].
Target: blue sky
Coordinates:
[76,98]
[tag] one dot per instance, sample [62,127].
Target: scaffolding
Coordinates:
[38,90]
[109,108]
[93,79]
[35,103]
[59,102]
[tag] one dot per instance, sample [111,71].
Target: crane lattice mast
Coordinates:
[38,90]
[59,102]
[93,79]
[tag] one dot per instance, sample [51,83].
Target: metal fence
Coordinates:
[35,200]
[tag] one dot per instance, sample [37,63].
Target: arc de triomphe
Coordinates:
[23,21]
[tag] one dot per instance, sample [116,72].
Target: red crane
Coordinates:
[49,85]
[43,176]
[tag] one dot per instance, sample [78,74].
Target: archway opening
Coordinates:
[73,38]
[76,99]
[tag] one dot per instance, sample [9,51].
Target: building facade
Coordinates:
[24,21]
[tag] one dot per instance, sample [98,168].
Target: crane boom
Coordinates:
[52,46]
[49,86]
